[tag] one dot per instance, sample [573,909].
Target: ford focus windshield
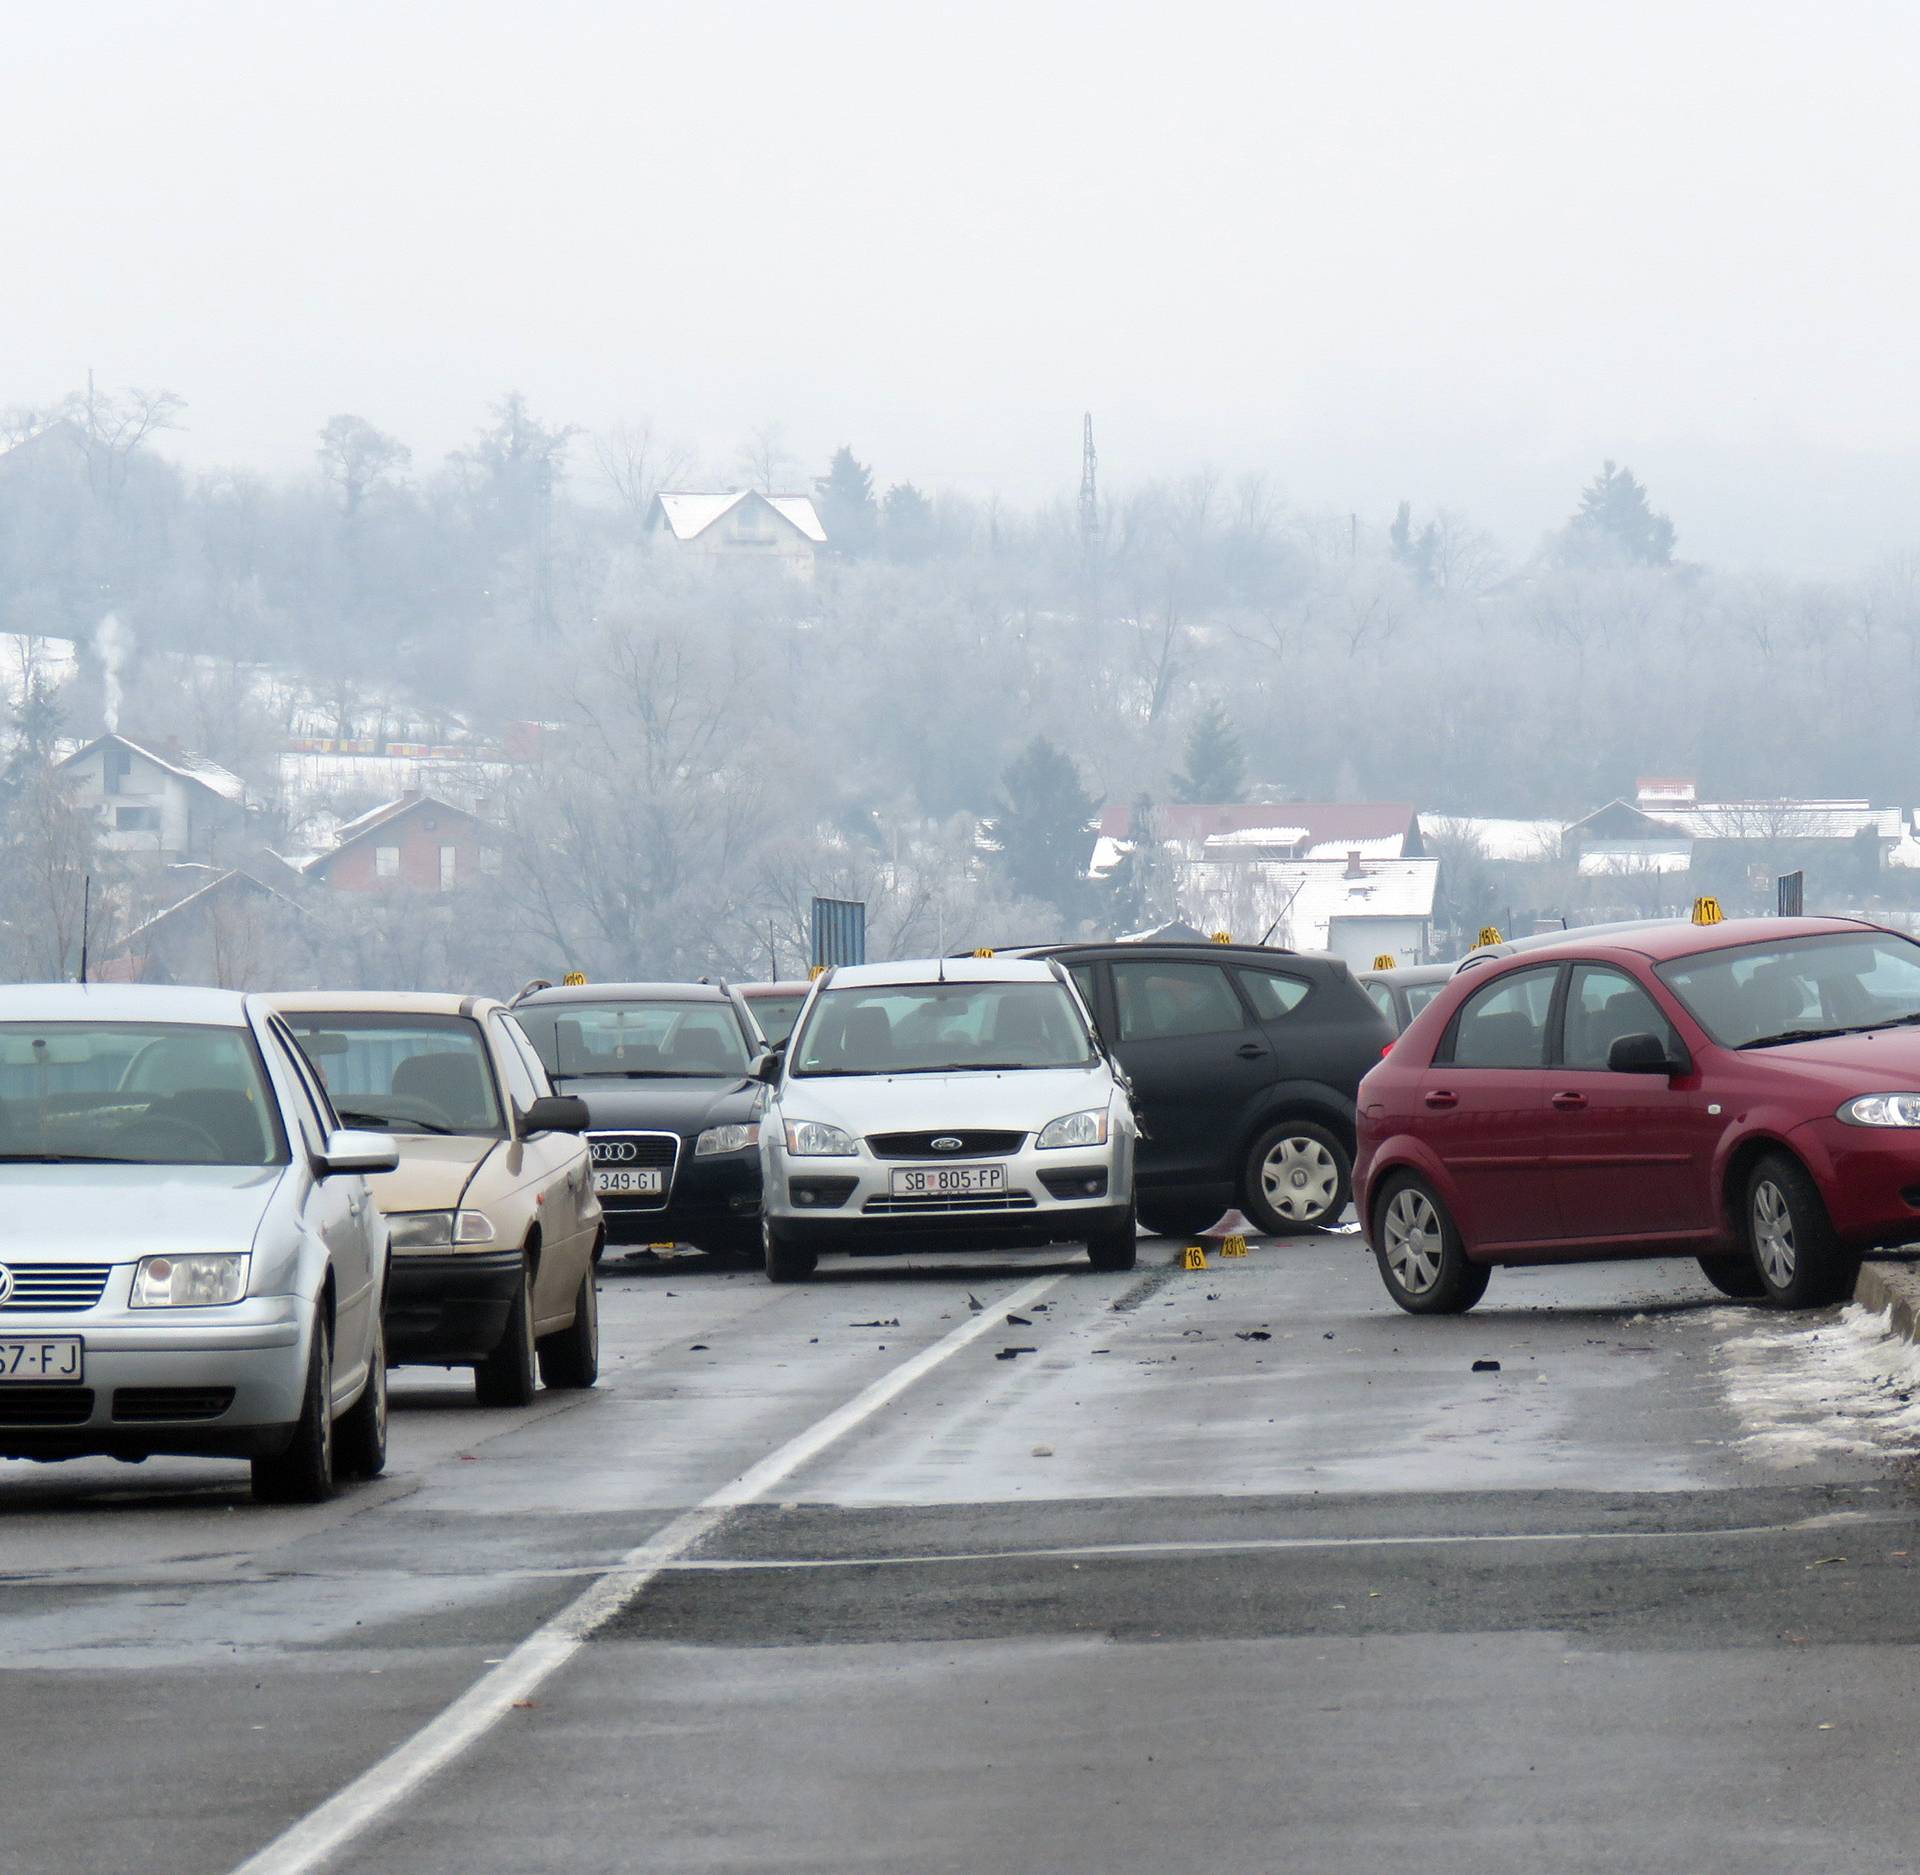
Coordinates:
[129,1093]
[942,1028]
[659,1039]
[1760,994]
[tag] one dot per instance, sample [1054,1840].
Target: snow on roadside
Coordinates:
[1807,1388]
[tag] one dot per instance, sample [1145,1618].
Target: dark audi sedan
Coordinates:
[1747,1093]
[667,1072]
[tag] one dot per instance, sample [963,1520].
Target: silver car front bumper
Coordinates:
[223,1381]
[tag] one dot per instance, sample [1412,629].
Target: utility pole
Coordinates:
[1089,493]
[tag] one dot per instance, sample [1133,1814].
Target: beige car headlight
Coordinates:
[196,1281]
[438,1230]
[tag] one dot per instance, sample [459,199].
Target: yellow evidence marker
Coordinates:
[1384,961]
[575,979]
[1706,911]
[1234,1246]
[1223,937]
[1489,934]
[1194,1258]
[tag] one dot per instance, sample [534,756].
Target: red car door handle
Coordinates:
[1569,1103]
[1441,1098]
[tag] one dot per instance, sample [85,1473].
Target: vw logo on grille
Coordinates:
[946,1143]
[6,1282]
[614,1151]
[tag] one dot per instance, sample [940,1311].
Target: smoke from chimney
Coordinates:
[113,644]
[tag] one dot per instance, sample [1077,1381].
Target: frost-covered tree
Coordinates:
[1616,525]
[847,508]
[1215,763]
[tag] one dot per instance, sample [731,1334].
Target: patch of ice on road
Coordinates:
[1843,1384]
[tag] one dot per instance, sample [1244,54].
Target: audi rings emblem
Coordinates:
[946,1143]
[6,1282]
[614,1151]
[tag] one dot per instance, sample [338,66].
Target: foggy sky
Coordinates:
[1456,253]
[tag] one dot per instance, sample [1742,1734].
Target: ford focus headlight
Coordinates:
[189,1282]
[1075,1129]
[438,1230]
[725,1139]
[814,1139]
[1882,1110]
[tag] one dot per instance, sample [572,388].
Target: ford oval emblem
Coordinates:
[946,1143]
[6,1282]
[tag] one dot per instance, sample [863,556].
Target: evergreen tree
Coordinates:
[1414,552]
[908,519]
[1215,764]
[1043,828]
[847,509]
[1616,525]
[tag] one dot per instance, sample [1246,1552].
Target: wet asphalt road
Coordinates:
[1159,1594]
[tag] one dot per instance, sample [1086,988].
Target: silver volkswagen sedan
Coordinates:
[190,1260]
[955,1104]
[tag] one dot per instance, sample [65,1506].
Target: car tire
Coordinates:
[303,1473]
[1115,1249]
[571,1359]
[1733,1276]
[1422,1261]
[786,1261]
[360,1437]
[505,1377]
[1182,1221]
[1297,1178]
[1796,1256]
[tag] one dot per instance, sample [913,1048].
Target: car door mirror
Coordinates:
[1646,1054]
[555,1113]
[767,1067]
[351,1151]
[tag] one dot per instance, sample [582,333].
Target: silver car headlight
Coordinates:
[814,1139]
[1075,1129]
[725,1139]
[198,1281]
[1882,1110]
[438,1230]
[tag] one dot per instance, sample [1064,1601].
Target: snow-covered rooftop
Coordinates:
[691,514]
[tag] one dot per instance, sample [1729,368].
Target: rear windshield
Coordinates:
[776,1015]
[403,1074]
[132,1093]
[654,1039]
[935,1028]
[1756,994]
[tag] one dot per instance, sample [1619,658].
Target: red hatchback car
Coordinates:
[1747,1093]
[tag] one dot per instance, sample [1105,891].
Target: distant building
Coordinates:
[419,841]
[154,798]
[741,528]
[1359,909]
[229,929]
[1238,832]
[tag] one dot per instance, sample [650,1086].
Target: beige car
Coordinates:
[492,1214]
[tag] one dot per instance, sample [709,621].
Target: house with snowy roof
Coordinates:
[741,528]
[153,798]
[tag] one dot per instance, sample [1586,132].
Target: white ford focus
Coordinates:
[959,1104]
[190,1260]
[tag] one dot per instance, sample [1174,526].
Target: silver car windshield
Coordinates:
[1756,995]
[403,1074]
[135,1093]
[643,1040]
[941,1028]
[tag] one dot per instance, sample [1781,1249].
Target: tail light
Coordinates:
[1386,1051]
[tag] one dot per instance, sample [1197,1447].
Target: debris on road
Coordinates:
[1007,1354]
[1020,1321]
[974,1302]
[1486,1367]
[892,1321]
[699,1347]
[1251,1334]
[1043,1451]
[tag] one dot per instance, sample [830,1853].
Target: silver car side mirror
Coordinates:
[352,1151]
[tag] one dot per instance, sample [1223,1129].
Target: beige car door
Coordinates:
[554,1167]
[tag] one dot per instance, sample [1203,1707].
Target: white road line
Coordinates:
[323,1832]
[1234,1546]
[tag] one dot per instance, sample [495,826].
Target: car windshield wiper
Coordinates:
[386,1125]
[1796,1035]
[74,1158]
[650,1074]
[1892,1022]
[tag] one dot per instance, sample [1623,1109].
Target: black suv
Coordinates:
[1245,1062]
[667,1072]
